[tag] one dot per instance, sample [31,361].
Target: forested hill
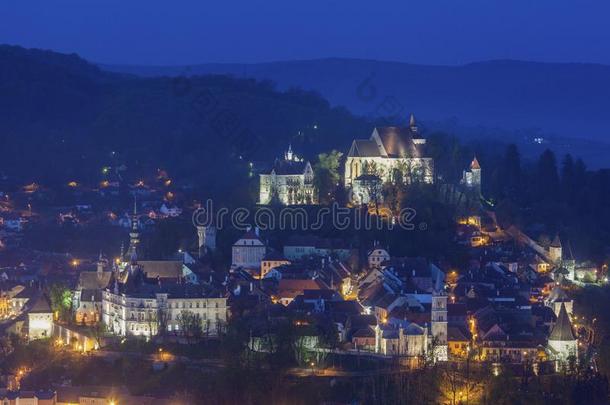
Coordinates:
[61,117]
[565,99]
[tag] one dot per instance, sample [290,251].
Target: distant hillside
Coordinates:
[570,100]
[63,117]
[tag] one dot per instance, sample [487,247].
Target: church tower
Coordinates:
[439,319]
[201,240]
[556,251]
[101,265]
[562,340]
[134,235]
[475,169]
[289,155]
[471,178]
[412,123]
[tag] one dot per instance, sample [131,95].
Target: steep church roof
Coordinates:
[364,148]
[161,268]
[475,164]
[92,280]
[558,295]
[41,306]
[289,167]
[562,331]
[399,141]
[556,242]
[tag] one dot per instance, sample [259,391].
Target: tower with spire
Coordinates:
[134,234]
[562,340]
[289,155]
[413,124]
[394,149]
[471,178]
[556,250]
[439,319]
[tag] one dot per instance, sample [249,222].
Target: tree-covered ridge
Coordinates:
[61,116]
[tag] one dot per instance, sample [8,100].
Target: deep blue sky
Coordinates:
[173,32]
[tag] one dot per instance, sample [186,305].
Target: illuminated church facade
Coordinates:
[391,154]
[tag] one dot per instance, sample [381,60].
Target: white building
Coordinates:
[290,182]
[40,320]
[393,154]
[439,319]
[141,308]
[472,178]
[377,256]
[248,251]
[562,340]
[299,247]
[409,339]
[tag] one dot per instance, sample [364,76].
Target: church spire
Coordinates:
[134,234]
[556,242]
[289,154]
[474,165]
[562,330]
[412,120]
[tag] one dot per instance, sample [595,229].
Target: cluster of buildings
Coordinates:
[137,297]
[509,304]
[85,395]
[317,280]
[390,155]
[515,298]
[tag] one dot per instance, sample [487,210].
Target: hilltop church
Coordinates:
[391,154]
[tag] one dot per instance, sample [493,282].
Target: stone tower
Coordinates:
[556,251]
[134,235]
[475,169]
[201,240]
[471,178]
[439,319]
[101,264]
[562,340]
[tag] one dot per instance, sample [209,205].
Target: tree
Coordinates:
[372,183]
[512,172]
[98,330]
[547,179]
[190,325]
[568,186]
[61,302]
[162,320]
[326,175]
[6,346]
[393,195]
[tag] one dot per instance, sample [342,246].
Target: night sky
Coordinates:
[154,32]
